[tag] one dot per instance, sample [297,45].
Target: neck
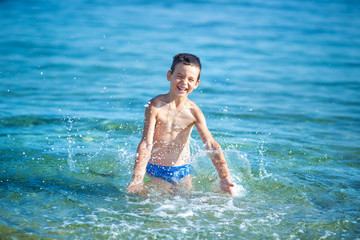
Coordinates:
[177,100]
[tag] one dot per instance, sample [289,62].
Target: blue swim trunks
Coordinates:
[170,174]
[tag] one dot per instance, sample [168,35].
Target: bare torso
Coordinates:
[172,132]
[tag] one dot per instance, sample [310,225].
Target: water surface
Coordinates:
[279,89]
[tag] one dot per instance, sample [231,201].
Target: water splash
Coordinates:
[71,161]
[262,170]
[205,175]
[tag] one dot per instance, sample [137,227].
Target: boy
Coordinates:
[164,152]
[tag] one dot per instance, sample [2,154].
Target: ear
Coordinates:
[197,84]
[168,75]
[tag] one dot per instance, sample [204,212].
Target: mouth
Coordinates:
[182,89]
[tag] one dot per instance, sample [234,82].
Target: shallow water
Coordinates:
[279,88]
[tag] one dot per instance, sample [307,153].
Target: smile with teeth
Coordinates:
[182,89]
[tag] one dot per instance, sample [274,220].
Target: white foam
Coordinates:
[188,213]
[166,207]
[239,191]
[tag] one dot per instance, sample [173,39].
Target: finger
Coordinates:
[231,192]
[132,192]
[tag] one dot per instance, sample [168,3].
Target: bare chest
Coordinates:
[173,123]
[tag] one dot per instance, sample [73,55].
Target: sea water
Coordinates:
[279,89]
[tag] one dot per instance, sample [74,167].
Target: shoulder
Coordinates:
[157,102]
[153,106]
[196,111]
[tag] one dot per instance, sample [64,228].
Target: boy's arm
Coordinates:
[215,153]
[143,151]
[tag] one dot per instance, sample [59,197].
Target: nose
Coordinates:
[185,80]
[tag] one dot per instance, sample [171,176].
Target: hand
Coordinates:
[226,186]
[135,187]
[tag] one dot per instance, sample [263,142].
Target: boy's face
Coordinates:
[184,79]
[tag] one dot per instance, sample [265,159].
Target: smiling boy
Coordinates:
[164,152]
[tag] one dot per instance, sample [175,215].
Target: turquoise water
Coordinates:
[279,88]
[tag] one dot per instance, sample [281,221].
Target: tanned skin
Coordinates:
[169,120]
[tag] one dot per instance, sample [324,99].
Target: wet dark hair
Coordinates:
[186,59]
